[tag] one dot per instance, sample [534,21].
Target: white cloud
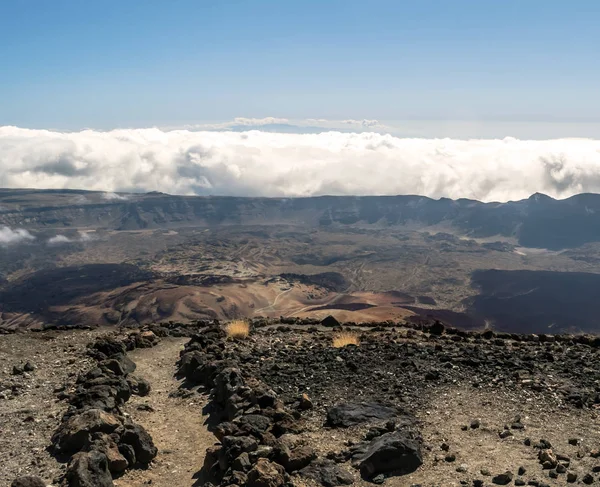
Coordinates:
[63,239]
[8,236]
[258,121]
[275,164]
[363,123]
[59,239]
[238,122]
[114,196]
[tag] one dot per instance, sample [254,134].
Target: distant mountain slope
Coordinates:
[538,221]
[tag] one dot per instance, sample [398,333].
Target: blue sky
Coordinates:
[69,64]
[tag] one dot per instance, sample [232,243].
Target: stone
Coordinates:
[571,477]
[242,462]
[254,424]
[266,474]
[588,479]
[297,458]
[233,446]
[29,481]
[398,451]
[305,403]
[330,321]
[378,479]
[344,415]
[138,438]
[327,473]
[75,433]
[88,469]
[547,458]
[503,478]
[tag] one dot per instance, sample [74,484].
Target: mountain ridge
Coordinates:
[538,221]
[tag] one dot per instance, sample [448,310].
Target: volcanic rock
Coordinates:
[138,438]
[345,415]
[266,474]
[327,473]
[398,451]
[89,469]
[75,434]
[28,482]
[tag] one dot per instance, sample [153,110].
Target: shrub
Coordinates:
[345,338]
[237,329]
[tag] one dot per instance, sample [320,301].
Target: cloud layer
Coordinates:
[274,164]
[9,236]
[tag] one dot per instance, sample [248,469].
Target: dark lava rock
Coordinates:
[327,473]
[330,321]
[398,451]
[349,414]
[266,474]
[138,438]
[28,482]
[75,434]
[304,403]
[503,478]
[451,457]
[296,458]
[437,328]
[140,387]
[588,479]
[254,424]
[88,469]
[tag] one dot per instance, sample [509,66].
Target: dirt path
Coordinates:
[176,424]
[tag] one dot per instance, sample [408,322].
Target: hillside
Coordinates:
[69,258]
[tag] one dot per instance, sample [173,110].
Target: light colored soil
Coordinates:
[29,418]
[175,424]
[482,448]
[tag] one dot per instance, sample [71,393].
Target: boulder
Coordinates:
[398,451]
[28,482]
[234,446]
[139,387]
[254,424]
[344,415]
[297,458]
[88,469]
[266,474]
[327,473]
[330,321]
[117,463]
[138,438]
[108,347]
[75,434]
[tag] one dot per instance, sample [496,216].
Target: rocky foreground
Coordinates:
[413,404]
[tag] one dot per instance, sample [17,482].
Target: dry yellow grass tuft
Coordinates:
[345,338]
[237,329]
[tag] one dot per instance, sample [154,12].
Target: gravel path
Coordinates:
[176,424]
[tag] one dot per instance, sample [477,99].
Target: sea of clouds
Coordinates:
[260,163]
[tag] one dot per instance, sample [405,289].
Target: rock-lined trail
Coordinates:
[176,424]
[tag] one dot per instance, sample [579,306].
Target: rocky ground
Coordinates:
[413,404]
[29,408]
